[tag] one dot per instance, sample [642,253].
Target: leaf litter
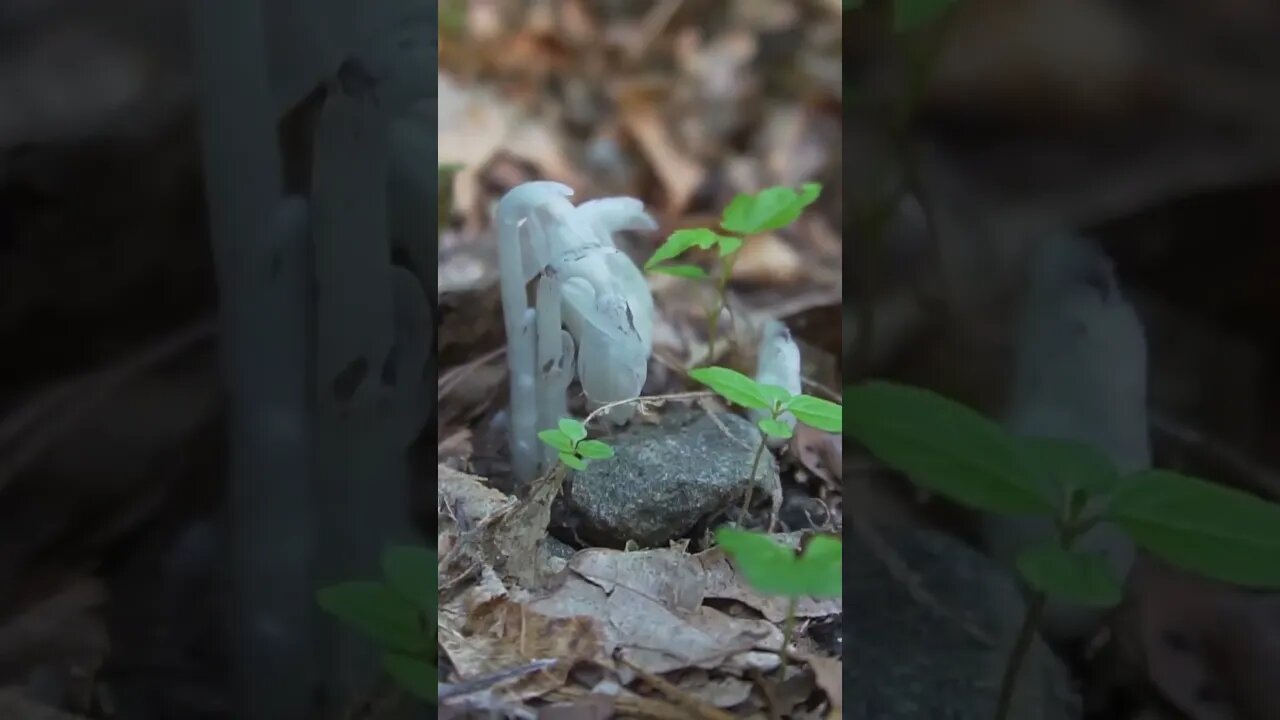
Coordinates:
[682,105]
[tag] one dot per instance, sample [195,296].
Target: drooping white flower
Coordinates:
[585,284]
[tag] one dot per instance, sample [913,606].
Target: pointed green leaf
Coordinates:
[1210,529]
[774,428]
[945,447]
[594,450]
[1078,577]
[557,440]
[573,429]
[680,241]
[684,271]
[769,209]
[415,676]
[378,611]
[412,572]
[817,413]
[729,245]
[573,461]
[765,564]
[775,569]
[774,394]
[1067,465]
[909,15]
[732,386]
[823,565]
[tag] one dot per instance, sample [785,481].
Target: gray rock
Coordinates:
[906,660]
[664,478]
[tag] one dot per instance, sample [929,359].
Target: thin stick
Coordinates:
[646,399]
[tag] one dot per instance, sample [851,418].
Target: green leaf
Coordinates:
[1082,578]
[817,413]
[378,611]
[684,271]
[1210,529]
[412,572]
[573,461]
[573,429]
[732,386]
[594,450]
[823,563]
[729,245]
[557,440]
[775,569]
[415,676]
[774,428]
[769,209]
[774,394]
[945,447]
[1067,465]
[680,241]
[909,15]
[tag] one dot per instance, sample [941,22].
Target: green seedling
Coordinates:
[746,392]
[570,440]
[774,569]
[1199,526]
[398,613]
[768,210]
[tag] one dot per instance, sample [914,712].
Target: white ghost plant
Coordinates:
[778,363]
[591,300]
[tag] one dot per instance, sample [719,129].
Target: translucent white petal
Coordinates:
[611,215]
[778,364]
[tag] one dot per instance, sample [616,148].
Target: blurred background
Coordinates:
[1154,128]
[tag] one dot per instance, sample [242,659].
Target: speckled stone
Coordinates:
[664,478]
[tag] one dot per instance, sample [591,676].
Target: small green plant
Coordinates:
[570,440]
[398,613]
[776,401]
[774,569]
[1202,527]
[770,209]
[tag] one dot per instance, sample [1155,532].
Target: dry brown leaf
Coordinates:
[471,124]
[821,453]
[487,631]
[469,496]
[720,691]
[590,707]
[828,673]
[768,260]
[649,634]
[680,176]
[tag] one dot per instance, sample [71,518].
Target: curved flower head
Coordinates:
[778,363]
[524,214]
[608,306]
[585,284]
[610,215]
